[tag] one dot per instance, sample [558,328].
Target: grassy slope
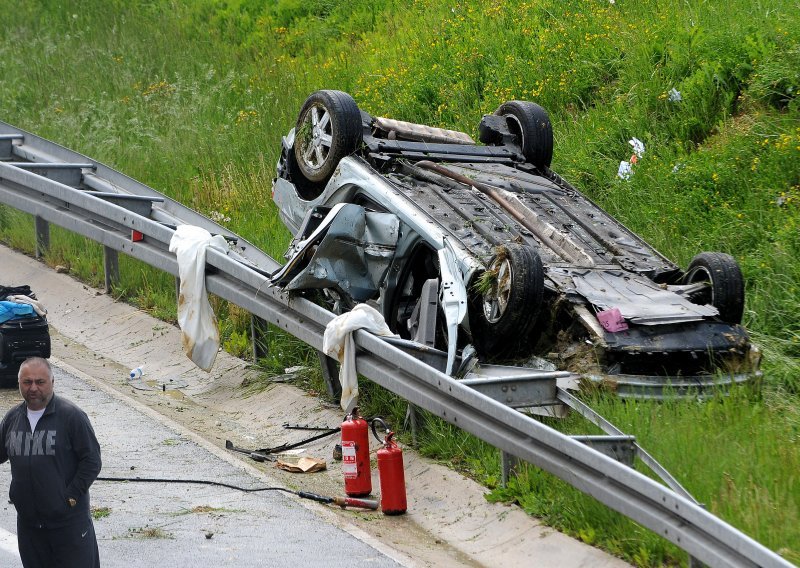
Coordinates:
[193,102]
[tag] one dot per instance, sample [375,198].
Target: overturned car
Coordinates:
[482,248]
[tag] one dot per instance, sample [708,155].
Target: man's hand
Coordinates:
[72,502]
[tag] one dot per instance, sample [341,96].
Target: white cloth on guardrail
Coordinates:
[199,331]
[338,342]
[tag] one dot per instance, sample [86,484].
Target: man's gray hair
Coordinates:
[36,361]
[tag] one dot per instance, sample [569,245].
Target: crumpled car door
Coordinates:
[350,250]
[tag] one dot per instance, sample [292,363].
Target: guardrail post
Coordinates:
[330,372]
[411,420]
[508,464]
[42,235]
[259,331]
[111,267]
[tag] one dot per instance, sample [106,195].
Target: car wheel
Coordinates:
[506,300]
[531,125]
[328,129]
[725,289]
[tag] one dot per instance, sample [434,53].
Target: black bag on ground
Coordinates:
[20,338]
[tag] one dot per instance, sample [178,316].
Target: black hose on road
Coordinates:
[341,501]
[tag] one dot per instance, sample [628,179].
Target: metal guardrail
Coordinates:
[670,514]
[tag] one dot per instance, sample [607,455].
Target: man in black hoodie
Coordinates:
[54,458]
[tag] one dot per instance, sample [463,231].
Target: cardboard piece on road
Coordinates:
[302,465]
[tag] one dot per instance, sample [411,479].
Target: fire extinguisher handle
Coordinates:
[382,422]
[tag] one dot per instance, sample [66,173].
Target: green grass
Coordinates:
[100,513]
[197,111]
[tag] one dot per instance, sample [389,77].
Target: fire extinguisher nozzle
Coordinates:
[360,503]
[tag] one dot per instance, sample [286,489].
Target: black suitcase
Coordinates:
[21,338]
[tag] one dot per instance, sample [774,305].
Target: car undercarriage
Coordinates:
[525,267]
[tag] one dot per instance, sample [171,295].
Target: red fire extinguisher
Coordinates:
[355,456]
[391,472]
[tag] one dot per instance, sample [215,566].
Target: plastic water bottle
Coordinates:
[137,372]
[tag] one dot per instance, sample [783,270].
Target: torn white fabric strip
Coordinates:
[338,342]
[196,318]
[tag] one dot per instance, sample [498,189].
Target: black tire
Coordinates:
[531,125]
[328,129]
[726,284]
[503,315]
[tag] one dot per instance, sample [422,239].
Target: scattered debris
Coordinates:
[625,170]
[612,320]
[638,148]
[304,464]
[264,454]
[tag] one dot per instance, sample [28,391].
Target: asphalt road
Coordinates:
[177,525]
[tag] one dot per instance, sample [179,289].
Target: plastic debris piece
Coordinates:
[638,146]
[173,384]
[139,384]
[291,453]
[625,170]
[612,320]
[674,95]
